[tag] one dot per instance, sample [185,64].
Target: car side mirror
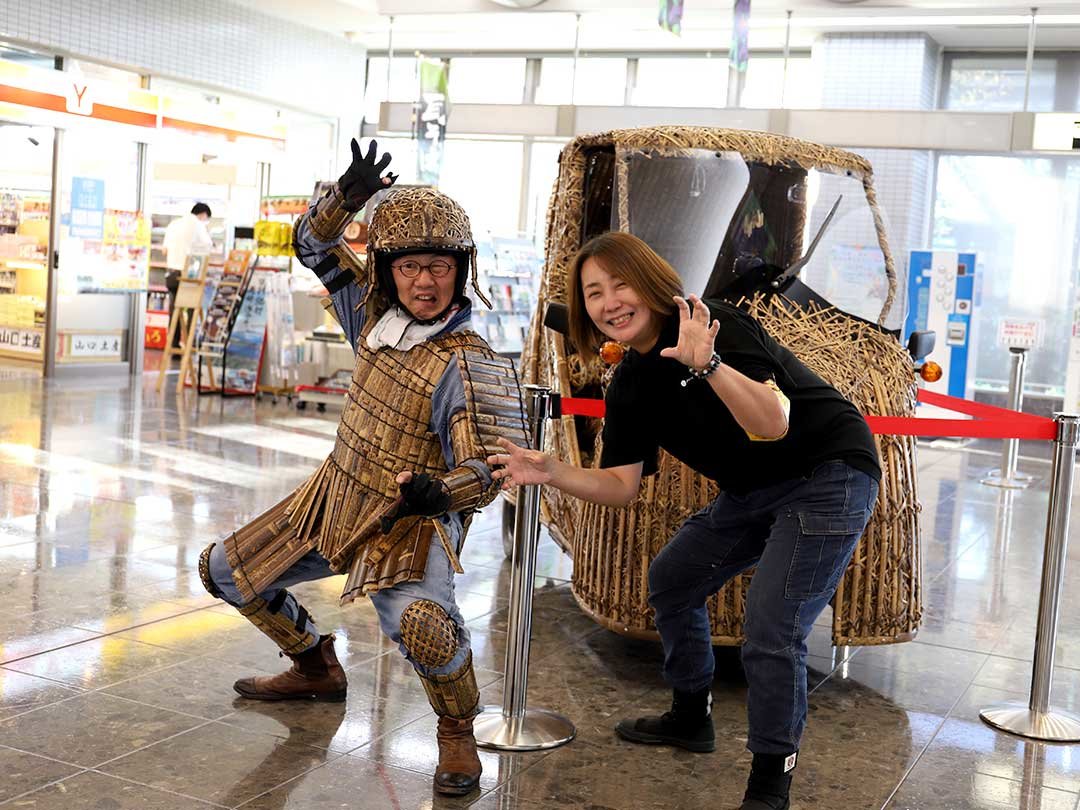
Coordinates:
[920,344]
[557,317]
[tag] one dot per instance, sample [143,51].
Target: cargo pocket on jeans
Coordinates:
[823,546]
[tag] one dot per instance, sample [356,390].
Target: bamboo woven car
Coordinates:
[879,599]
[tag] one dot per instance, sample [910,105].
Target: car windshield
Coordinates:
[729,225]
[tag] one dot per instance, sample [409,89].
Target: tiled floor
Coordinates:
[116,668]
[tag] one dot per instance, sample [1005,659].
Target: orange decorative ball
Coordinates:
[931,371]
[611,352]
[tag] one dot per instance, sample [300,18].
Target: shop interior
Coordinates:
[25,186]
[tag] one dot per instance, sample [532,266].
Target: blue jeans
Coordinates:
[437,586]
[800,534]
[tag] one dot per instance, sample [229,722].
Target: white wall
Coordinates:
[211,42]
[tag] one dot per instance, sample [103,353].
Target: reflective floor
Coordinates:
[116,668]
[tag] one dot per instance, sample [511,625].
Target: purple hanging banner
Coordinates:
[670,16]
[739,56]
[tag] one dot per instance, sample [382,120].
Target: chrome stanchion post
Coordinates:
[1007,476]
[513,726]
[1037,720]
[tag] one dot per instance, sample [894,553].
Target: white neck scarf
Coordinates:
[399,330]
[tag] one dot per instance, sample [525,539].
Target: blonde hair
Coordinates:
[629,258]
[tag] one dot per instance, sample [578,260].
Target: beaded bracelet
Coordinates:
[702,373]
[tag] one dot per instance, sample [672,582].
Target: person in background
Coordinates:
[798,473]
[185,236]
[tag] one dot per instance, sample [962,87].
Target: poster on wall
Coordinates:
[243,357]
[117,261]
[87,207]
[430,115]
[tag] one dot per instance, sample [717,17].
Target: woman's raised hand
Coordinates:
[696,335]
[519,466]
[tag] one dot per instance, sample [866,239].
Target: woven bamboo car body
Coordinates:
[614,181]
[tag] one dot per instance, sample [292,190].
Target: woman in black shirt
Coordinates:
[798,473]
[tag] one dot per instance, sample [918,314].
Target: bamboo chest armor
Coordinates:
[384,430]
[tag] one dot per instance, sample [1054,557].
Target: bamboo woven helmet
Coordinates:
[420,220]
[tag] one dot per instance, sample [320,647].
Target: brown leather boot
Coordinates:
[315,675]
[459,766]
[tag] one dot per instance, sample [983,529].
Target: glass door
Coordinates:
[104,250]
[26,155]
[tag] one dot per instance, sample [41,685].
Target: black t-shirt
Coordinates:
[648,408]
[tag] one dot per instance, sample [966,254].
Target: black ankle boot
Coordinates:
[769,783]
[688,724]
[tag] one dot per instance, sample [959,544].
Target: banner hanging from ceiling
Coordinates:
[670,17]
[739,56]
[429,119]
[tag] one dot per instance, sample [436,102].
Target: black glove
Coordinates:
[423,495]
[364,176]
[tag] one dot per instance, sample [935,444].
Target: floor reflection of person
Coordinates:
[797,469]
[391,504]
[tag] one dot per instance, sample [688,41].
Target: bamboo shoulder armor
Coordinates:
[494,410]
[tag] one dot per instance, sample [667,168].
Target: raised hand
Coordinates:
[697,336]
[364,176]
[520,467]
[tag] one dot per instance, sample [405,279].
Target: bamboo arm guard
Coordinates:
[467,488]
[330,216]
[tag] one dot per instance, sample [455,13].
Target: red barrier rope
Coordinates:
[572,406]
[989,422]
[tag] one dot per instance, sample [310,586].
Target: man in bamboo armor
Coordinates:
[391,504]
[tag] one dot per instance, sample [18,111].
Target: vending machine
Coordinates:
[942,297]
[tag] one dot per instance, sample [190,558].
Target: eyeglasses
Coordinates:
[411,269]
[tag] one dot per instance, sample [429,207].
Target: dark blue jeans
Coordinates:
[800,534]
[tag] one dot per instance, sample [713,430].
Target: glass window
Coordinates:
[543,170]
[487,81]
[997,85]
[1019,216]
[556,76]
[681,82]
[468,166]
[186,168]
[803,88]
[404,84]
[765,81]
[403,157]
[308,155]
[847,266]
[102,248]
[25,56]
[600,81]
[374,88]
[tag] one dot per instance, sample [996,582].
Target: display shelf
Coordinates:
[23,275]
[507,269]
[156,326]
